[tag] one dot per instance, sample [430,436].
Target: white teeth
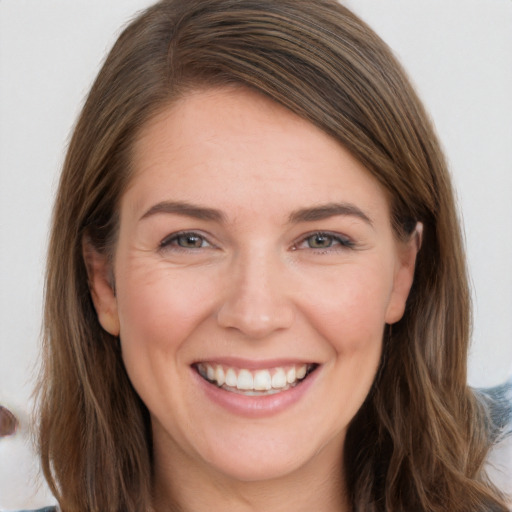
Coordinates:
[271,380]
[290,375]
[245,380]
[279,379]
[231,379]
[262,380]
[220,376]
[300,372]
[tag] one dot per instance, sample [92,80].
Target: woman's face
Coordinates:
[255,271]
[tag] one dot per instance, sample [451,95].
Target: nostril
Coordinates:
[8,422]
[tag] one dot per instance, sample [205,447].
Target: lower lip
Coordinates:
[255,406]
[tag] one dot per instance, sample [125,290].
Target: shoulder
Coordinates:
[45,509]
[499,465]
[498,401]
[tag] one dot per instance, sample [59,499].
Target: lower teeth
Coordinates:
[252,392]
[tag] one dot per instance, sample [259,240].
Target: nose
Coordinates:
[257,301]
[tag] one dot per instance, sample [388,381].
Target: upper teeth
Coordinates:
[257,380]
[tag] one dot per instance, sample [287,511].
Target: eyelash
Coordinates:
[336,241]
[172,241]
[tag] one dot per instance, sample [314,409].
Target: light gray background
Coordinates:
[458,53]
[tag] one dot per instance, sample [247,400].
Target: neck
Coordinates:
[320,486]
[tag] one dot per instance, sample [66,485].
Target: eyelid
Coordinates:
[343,241]
[340,241]
[166,242]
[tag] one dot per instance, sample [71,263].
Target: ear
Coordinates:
[404,274]
[101,286]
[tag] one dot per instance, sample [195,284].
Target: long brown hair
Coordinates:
[420,440]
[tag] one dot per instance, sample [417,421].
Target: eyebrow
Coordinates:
[312,214]
[186,210]
[326,211]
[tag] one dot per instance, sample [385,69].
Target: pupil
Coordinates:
[320,241]
[190,241]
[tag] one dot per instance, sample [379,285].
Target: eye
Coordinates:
[185,240]
[321,240]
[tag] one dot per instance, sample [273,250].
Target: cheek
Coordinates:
[159,308]
[348,307]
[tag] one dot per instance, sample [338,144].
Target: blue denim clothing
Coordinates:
[499,404]
[45,509]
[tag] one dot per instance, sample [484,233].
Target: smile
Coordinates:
[255,382]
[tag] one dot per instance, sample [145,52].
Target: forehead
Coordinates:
[224,145]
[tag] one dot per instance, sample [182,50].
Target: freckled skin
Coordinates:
[254,288]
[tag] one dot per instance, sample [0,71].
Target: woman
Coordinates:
[256,291]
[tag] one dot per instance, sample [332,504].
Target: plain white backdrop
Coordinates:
[458,54]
